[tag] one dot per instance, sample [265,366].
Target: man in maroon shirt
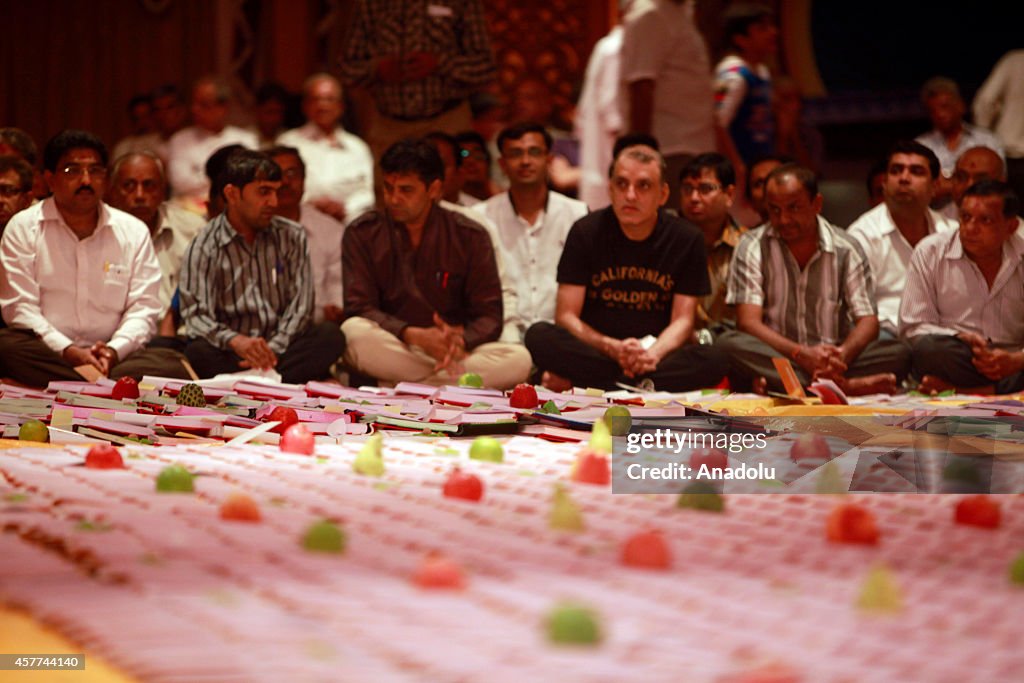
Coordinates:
[422,292]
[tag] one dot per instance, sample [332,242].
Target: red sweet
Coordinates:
[286,416]
[810,447]
[978,511]
[437,571]
[104,457]
[239,507]
[715,459]
[849,523]
[524,396]
[647,550]
[298,439]
[463,485]
[125,387]
[592,468]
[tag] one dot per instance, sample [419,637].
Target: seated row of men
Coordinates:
[599,299]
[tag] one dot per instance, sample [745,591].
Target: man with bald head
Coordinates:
[138,186]
[339,166]
[974,165]
[189,148]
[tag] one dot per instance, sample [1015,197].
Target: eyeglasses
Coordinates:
[8,191]
[519,153]
[703,189]
[76,171]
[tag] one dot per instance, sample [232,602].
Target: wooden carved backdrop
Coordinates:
[549,40]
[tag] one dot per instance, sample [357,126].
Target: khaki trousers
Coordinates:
[373,351]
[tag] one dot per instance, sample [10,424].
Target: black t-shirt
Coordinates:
[630,284]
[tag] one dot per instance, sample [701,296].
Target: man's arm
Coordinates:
[568,308]
[362,293]
[483,289]
[19,290]
[142,309]
[198,293]
[473,66]
[299,311]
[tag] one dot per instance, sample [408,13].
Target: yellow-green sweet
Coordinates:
[565,514]
[370,459]
[325,537]
[573,624]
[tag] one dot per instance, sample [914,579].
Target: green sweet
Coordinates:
[174,479]
[488,449]
[618,419]
[565,514]
[324,537]
[550,408]
[370,460]
[34,430]
[701,496]
[471,379]
[1017,570]
[601,438]
[573,624]
[880,592]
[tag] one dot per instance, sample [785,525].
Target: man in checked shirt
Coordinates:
[247,285]
[421,61]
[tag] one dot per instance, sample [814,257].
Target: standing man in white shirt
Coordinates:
[963,311]
[189,148]
[82,282]
[339,166]
[666,78]
[531,223]
[889,232]
[323,234]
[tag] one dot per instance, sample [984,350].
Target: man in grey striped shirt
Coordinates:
[247,286]
[803,290]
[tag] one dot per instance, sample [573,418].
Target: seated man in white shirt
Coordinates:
[189,148]
[339,166]
[82,281]
[974,165]
[963,309]
[889,232]
[138,186]
[531,224]
[323,234]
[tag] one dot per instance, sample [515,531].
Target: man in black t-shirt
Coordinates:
[628,284]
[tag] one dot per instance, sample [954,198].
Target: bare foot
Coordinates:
[930,384]
[882,383]
[555,383]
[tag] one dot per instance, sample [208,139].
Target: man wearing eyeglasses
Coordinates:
[15,188]
[82,286]
[530,224]
[628,285]
[706,187]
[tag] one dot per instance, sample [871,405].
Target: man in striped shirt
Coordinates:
[803,290]
[247,284]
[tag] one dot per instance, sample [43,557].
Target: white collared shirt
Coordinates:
[175,231]
[71,291]
[888,252]
[971,136]
[530,253]
[323,234]
[946,293]
[187,152]
[338,167]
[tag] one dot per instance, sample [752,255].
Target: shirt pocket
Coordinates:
[114,287]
